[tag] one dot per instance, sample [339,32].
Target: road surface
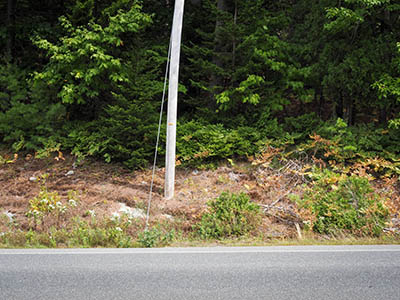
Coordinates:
[316,272]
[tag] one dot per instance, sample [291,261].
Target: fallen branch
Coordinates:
[269,206]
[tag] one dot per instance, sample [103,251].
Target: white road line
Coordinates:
[196,250]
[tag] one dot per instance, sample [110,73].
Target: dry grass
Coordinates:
[100,188]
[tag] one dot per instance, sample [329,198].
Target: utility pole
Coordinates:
[173,98]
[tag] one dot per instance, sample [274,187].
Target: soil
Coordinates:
[103,187]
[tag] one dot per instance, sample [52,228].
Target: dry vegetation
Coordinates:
[101,188]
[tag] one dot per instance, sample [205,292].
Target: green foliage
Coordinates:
[243,64]
[29,126]
[198,142]
[127,133]
[49,203]
[344,204]
[88,57]
[302,126]
[105,233]
[155,237]
[339,144]
[87,76]
[230,215]
[23,124]
[13,87]
[388,87]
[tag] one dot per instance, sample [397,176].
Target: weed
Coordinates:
[342,204]
[155,237]
[230,215]
[49,203]
[106,233]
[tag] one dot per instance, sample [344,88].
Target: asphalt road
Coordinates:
[317,272]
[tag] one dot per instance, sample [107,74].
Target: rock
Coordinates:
[195,172]
[234,177]
[70,173]
[10,215]
[168,217]
[131,212]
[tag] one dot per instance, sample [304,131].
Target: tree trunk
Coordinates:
[339,107]
[350,112]
[383,112]
[235,16]
[11,4]
[320,100]
[220,45]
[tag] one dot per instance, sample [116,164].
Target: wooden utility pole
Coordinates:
[173,98]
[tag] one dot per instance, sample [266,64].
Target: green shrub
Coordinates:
[126,133]
[342,204]
[197,142]
[337,142]
[155,237]
[230,215]
[103,234]
[302,126]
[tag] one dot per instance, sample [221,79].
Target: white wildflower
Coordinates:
[63,209]
[115,216]
[72,202]
[118,229]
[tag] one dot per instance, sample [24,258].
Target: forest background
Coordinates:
[87,76]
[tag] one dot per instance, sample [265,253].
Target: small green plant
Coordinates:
[342,204]
[7,160]
[155,237]
[104,233]
[47,202]
[230,215]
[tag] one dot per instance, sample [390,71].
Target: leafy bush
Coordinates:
[86,64]
[128,134]
[344,204]
[341,146]
[155,237]
[230,215]
[25,123]
[302,126]
[199,142]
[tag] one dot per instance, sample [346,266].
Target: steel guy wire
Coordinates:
[158,137]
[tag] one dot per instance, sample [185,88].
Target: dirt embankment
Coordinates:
[103,188]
